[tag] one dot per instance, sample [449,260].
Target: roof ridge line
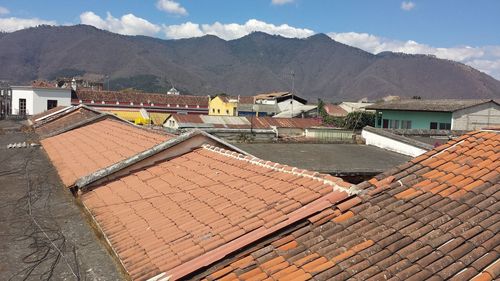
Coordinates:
[86,180]
[349,188]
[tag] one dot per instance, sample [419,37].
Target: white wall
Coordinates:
[36,98]
[171,123]
[286,105]
[392,145]
[63,97]
[22,94]
[476,117]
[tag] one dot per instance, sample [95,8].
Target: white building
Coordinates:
[30,100]
[284,100]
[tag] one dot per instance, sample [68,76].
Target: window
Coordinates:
[22,106]
[218,111]
[51,104]
[385,123]
[444,126]
[434,125]
[395,124]
[213,110]
[406,124]
[227,111]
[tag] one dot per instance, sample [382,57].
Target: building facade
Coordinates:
[30,100]
[437,114]
[223,106]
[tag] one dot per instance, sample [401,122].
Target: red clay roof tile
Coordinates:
[430,221]
[181,209]
[84,150]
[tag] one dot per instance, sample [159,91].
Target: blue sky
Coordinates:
[465,31]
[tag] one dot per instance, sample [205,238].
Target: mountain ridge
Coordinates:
[257,62]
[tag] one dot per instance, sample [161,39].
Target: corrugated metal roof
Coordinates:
[226,120]
[268,122]
[445,105]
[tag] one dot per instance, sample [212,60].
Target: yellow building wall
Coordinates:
[219,107]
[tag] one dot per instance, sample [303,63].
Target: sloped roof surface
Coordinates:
[272,95]
[179,214]
[434,217]
[335,110]
[246,99]
[446,105]
[48,112]
[64,120]
[84,150]
[246,121]
[158,118]
[137,98]
[268,122]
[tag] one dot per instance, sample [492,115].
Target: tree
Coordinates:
[358,119]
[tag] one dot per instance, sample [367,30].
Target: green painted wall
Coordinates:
[419,119]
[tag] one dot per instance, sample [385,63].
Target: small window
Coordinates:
[213,110]
[218,111]
[434,125]
[51,104]
[406,124]
[227,111]
[444,126]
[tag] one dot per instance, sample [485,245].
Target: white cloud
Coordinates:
[13,24]
[4,11]
[171,7]
[233,30]
[128,24]
[281,2]
[486,59]
[407,5]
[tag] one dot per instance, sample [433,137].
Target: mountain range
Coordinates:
[315,67]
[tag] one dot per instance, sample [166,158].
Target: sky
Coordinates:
[467,31]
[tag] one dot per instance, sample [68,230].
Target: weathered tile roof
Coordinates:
[145,98]
[335,110]
[445,105]
[84,150]
[47,113]
[181,214]
[435,217]
[64,119]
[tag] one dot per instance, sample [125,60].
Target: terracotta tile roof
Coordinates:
[84,150]
[63,120]
[137,98]
[42,84]
[335,110]
[182,214]
[246,99]
[435,217]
